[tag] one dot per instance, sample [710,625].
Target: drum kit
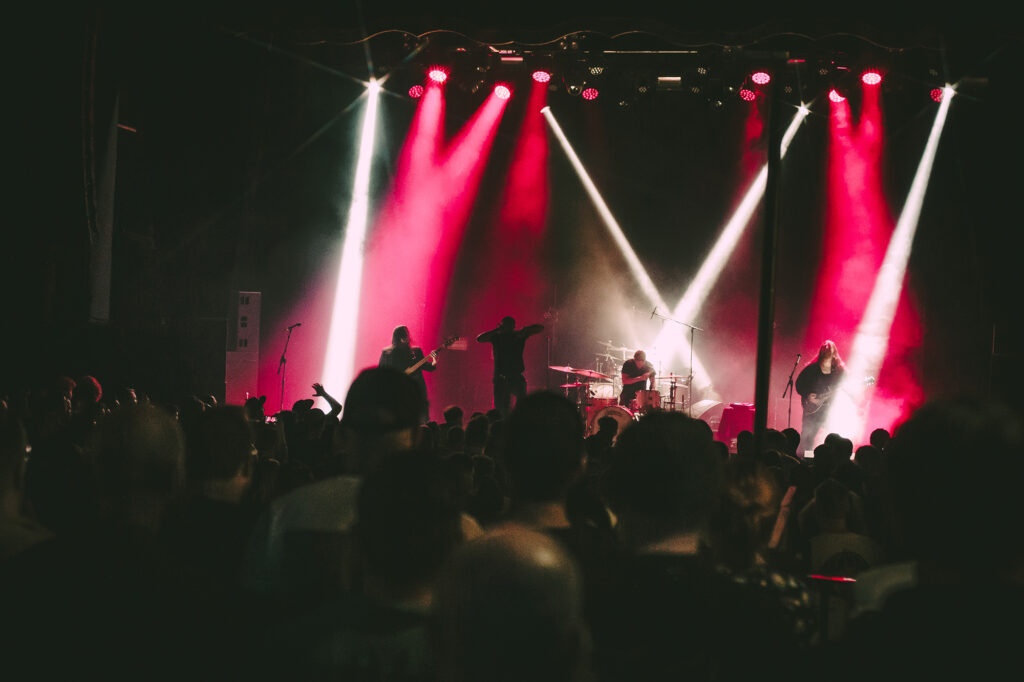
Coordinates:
[596,391]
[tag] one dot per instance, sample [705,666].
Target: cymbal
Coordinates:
[578,384]
[590,373]
[608,345]
[566,369]
[672,377]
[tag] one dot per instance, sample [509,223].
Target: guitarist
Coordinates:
[401,355]
[816,384]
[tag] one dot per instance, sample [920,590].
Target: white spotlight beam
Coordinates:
[872,338]
[635,266]
[690,304]
[341,346]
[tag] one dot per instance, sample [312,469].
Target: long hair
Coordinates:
[400,334]
[829,347]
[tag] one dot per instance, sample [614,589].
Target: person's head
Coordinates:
[453,415]
[745,443]
[509,608]
[663,476]
[400,336]
[792,440]
[640,357]
[220,445]
[507,323]
[543,447]
[955,470]
[869,459]
[476,432]
[408,523]
[381,414]
[608,426]
[254,409]
[744,515]
[880,439]
[140,463]
[829,353]
[87,393]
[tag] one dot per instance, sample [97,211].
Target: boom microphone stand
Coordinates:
[689,379]
[281,366]
[789,389]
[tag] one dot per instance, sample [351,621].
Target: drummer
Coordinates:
[635,375]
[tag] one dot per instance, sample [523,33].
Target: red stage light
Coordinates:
[541,76]
[747,95]
[761,77]
[589,93]
[437,74]
[502,91]
[416,91]
[834,95]
[871,77]
[937,94]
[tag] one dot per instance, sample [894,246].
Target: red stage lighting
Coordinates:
[541,76]
[416,91]
[834,95]
[437,74]
[761,77]
[747,95]
[589,93]
[871,77]
[937,94]
[502,91]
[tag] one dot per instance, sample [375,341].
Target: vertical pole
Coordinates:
[766,306]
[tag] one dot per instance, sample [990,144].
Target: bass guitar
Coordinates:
[432,354]
[814,402]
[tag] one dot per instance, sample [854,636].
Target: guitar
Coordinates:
[813,402]
[432,354]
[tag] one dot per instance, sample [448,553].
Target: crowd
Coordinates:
[150,541]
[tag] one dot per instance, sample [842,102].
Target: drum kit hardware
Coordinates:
[596,391]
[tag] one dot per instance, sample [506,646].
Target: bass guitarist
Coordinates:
[401,355]
[816,385]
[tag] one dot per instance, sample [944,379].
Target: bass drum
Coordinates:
[617,412]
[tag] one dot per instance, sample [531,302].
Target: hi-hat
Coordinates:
[672,377]
[565,369]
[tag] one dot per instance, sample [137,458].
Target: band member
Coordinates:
[508,343]
[816,384]
[401,355]
[635,375]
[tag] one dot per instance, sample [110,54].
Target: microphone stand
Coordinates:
[789,390]
[689,379]
[282,366]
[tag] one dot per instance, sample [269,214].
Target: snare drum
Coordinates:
[620,414]
[647,401]
[598,403]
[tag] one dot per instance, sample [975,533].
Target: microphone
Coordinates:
[297,324]
[654,312]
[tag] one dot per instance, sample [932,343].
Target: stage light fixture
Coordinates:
[416,91]
[936,94]
[747,95]
[589,94]
[761,77]
[871,77]
[502,91]
[835,96]
[541,76]
[437,74]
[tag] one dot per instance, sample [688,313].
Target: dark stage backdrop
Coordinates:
[233,172]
